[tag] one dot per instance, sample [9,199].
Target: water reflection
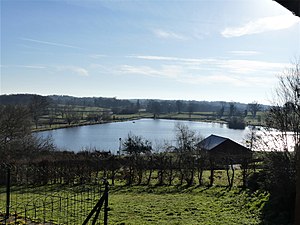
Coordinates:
[107,136]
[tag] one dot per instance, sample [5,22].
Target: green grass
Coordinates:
[175,204]
[132,116]
[172,205]
[83,112]
[167,205]
[58,203]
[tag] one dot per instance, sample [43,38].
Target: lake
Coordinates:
[106,136]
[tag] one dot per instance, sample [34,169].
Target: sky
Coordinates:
[212,50]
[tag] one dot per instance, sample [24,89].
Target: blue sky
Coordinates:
[231,50]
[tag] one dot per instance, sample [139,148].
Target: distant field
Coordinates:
[80,115]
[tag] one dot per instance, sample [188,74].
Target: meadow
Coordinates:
[80,115]
[178,205]
[143,204]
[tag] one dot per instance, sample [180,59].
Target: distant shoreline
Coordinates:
[120,120]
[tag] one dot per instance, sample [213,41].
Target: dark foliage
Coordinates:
[126,105]
[16,140]
[278,178]
[236,123]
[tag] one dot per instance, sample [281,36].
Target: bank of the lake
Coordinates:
[131,117]
[109,136]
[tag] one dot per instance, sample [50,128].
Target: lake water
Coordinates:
[106,136]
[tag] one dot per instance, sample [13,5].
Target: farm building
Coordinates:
[223,153]
[220,148]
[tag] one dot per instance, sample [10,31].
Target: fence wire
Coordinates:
[47,195]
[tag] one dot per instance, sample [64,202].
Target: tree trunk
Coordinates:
[150,172]
[245,166]
[228,175]
[113,174]
[211,177]
[232,177]
[170,171]
[149,177]
[191,179]
[140,176]
[200,175]
[211,173]
[160,177]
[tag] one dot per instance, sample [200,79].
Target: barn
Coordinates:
[223,153]
[220,148]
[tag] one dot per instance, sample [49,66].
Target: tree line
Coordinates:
[67,110]
[133,105]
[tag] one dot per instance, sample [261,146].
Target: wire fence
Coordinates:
[30,195]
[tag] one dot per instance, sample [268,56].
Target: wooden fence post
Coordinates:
[106,203]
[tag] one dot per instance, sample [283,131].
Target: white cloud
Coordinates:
[232,66]
[97,56]
[168,34]
[207,71]
[169,71]
[174,59]
[26,66]
[261,25]
[224,80]
[74,69]
[244,53]
[141,70]
[153,57]
[50,43]
[250,66]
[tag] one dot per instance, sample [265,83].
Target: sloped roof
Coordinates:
[216,144]
[221,148]
[211,142]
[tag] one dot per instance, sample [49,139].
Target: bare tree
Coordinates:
[285,117]
[187,141]
[14,123]
[38,106]
[16,140]
[179,106]
[254,107]
[222,109]
[191,108]
[232,109]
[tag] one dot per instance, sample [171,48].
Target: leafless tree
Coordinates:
[232,109]
[187,141]
[191,109]
[38,106]
[222,109]
[254,107]
[285,117]
[16,140]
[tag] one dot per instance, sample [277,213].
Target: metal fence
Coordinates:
[28,195]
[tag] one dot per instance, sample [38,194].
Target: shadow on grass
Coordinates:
[279,210]
[166,189]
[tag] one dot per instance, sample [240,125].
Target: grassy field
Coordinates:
[173,205]
[177,205]
[58,115]
[145,204]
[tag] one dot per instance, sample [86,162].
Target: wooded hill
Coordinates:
[130,105]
